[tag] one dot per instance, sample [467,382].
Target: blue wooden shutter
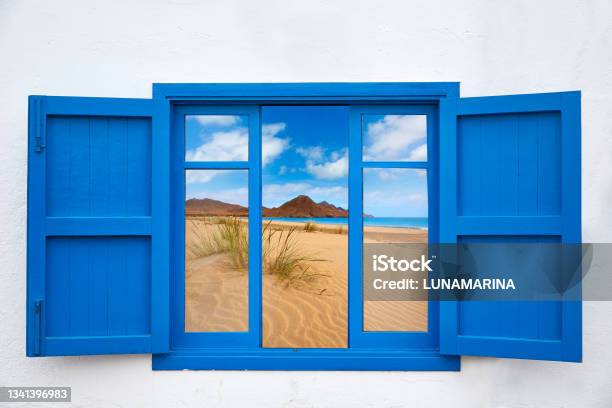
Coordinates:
[97,228]
[510,171]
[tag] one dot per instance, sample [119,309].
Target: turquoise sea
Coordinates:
[404,222]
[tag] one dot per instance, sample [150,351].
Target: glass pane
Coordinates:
[394,137]
[216,251]
[305,229]
[395,212]
[216,138]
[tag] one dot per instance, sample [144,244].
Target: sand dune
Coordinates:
[216,296]
[312,314]
[301,314]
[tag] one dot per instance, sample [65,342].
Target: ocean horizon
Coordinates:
[401,222]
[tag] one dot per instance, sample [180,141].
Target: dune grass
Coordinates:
[341,230]
[281,253]
[231,237]
[310,226]
[283,257]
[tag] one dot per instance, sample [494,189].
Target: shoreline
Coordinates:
[371,233]
[320,226]
[344,223]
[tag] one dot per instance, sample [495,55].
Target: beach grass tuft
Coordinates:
[310,226]
[231,237]
[283,257]
[340,230]
[281,254]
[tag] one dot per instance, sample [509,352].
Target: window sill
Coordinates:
[306,360]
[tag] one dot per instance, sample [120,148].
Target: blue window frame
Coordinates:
[358,337]
[180,165]
[143,228]
[411,350]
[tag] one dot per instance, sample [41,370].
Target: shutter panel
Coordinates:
[94,282]
[510,171]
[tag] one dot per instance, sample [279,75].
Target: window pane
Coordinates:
[216,251]
[395,208]
[394,137]
[305,230]
[216,138]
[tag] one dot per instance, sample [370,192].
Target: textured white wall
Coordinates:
[118,48]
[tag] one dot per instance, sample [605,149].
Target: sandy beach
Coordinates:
[308,310]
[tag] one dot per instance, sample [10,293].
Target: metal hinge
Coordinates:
[39,143]
[37,327]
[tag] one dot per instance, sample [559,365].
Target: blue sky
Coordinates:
[315,162]
[395,192]
[305,151]
[216,138]
[394,137]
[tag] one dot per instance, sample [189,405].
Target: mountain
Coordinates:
[299,207]
[210,207]
[303,206]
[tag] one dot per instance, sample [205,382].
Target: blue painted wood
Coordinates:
[510,170]
[571,207]
[484,105]
[355,230]
[504,224]
[98,166]
[519,320]
[306,359]
[217,165]
[78,346]
[160,240]
[304,92]
[90,226]
[85,106]
[396,165]
[97,226]
[97,286]
[489,160]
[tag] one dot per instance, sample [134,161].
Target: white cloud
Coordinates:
[231,145]
[332,167]
[272,146]
[330,170]
[387,174]
[200,176]
[282,170]
[272,129]
[396,174]
[376,197]
[391,137]
[218,120]
[314,153]
[419,153]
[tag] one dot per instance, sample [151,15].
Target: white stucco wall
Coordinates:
[118,48]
